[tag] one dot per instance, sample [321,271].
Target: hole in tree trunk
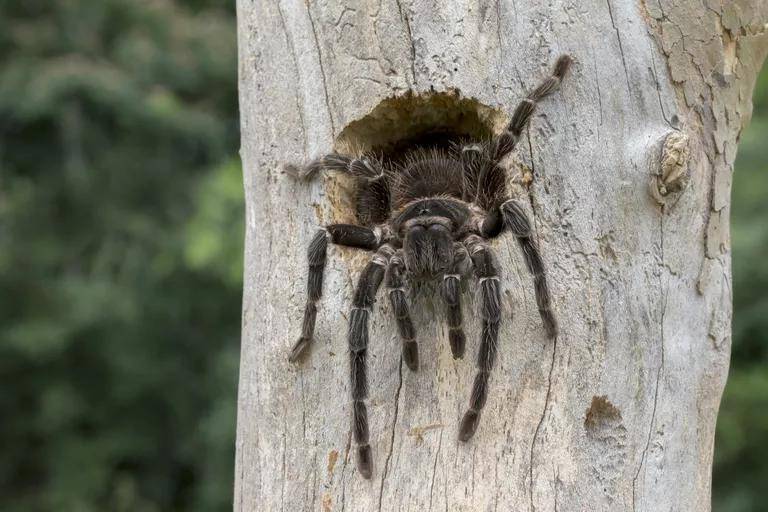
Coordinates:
[432,120]
[402,123]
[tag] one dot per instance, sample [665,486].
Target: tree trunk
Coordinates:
[631,168]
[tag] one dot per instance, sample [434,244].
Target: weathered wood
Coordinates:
[618,413]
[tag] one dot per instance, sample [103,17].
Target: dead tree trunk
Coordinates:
[630,171]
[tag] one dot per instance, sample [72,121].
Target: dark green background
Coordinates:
[121,258]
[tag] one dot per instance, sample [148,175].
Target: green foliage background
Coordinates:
[120,254]
[121,226]
[741,445]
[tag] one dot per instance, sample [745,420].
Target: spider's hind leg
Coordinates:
[366,166]
[472,156]
[373,194]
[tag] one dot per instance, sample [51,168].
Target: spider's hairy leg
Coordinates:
[472,156]
[507,141]
[341,234]
[487,274]
[451,292]
[366,166]
[397,298]
[511,216]
[365,295]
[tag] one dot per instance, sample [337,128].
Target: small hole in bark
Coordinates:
[432,119]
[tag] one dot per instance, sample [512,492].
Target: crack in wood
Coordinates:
[541,420]
[322,69]
[658,374]
[289,41]
[621,48]
[392,436]
[407,23]
[434,468]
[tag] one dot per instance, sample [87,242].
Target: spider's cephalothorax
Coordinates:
[429,216]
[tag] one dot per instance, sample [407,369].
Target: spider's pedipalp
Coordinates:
[451,292]
[399,302]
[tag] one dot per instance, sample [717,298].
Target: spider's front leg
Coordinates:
[397,298]
[507,141]
[341,234]
[365,295]
[451,292]
[511,216]
[487,274]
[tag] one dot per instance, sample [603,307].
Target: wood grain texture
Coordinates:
[617,413]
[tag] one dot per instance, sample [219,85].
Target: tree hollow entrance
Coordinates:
[432,120]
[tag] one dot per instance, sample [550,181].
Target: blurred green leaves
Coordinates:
[121,217]
[741,446]
[219,219]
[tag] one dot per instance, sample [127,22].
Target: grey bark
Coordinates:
[632,164]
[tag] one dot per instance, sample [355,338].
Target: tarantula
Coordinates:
[428,217]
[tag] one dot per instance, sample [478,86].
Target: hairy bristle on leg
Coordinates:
[366,166]
[451,292]
[340,234]
[316,257]
[399,302]
[516,220]
[536,266]
[486,271]
[506,142]
[364,298]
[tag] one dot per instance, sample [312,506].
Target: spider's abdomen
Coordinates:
[428,173]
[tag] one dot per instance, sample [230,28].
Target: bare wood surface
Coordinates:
[631,163]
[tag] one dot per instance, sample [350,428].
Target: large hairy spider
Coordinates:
[429,216]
